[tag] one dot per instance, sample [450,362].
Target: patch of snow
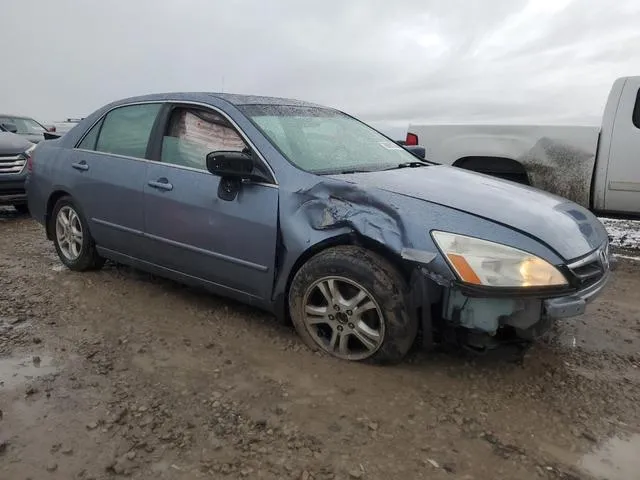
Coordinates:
[623,233]
[627,257]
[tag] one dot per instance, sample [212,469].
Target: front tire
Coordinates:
[351,303]
[71,236]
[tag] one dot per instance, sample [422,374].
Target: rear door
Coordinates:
[230,244]
[623,172]
[107,171]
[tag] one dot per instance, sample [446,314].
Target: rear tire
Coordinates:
[71,236]
[352,304]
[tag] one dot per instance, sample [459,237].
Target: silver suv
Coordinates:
[24,126]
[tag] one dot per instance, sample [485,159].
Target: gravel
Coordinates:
[134,376]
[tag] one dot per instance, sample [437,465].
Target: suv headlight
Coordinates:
[29,151]
[481,262]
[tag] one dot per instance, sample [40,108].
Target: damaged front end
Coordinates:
[481,323]
[474,281]
[485,323]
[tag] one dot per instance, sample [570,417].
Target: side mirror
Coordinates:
[231,164]
[51,136]
[418,150]
[232,167]
[10,127]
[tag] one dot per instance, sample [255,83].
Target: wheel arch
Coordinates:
[282,304]
[501,167]
[51,203]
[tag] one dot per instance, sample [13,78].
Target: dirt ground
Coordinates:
[117,373]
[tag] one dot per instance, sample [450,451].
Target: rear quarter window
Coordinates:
[89,140]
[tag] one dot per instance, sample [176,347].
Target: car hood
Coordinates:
[11,144]
[565,227]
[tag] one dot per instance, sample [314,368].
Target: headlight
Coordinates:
[481,262]
[29,151]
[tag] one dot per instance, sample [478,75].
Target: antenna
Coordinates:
[222,83]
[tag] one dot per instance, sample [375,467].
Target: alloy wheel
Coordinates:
[69,233]
[343,318]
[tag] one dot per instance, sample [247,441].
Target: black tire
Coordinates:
[381,279]
[88,258]
[22,208]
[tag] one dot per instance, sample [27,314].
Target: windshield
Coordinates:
[323,141]
[24,126]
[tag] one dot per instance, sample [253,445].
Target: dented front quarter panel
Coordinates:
[322,208]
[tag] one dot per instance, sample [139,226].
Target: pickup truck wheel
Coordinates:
[22,209]
[72,238]
[351,303]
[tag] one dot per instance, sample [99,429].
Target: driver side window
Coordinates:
[193,133]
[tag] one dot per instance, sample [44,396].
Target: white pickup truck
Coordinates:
[597,167]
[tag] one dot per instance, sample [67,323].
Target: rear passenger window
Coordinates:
[192,134]
[126,130]
[89,141]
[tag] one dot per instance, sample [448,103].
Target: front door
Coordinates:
[623,172]
[189,229]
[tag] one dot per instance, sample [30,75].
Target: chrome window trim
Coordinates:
[153,162]
[184,102]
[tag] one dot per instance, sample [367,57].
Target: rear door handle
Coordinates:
[82,166]
[161,184]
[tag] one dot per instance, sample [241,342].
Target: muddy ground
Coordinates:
[116,373]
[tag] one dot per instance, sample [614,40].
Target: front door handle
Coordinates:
[82,166]
[161,184]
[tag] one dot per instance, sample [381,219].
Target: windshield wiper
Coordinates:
[353,170]
[348,171]
[409,165]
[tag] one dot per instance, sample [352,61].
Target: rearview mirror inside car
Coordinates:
[10,127]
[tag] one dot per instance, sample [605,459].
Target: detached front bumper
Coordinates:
[574,305]
[592,272]
[527,316]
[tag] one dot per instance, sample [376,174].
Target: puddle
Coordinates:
[14,372]
[616,459]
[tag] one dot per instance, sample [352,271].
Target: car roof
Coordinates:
[236,99]
[232,98]
[15,116]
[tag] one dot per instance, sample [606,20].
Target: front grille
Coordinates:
[590,270]
[12,164]
[589,274]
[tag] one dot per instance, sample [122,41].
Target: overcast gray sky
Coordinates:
[389,63]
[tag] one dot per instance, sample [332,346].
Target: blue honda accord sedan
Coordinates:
[311,214]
